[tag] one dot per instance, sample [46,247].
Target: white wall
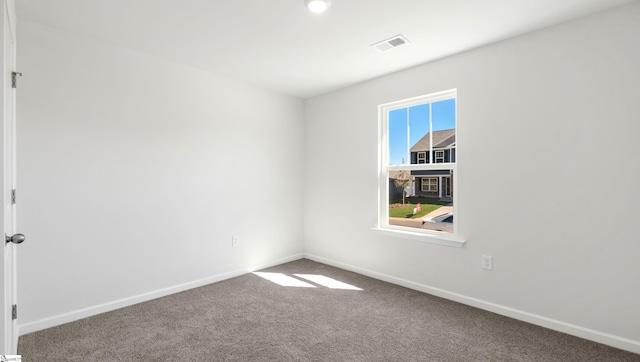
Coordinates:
[548,178]
[135,172]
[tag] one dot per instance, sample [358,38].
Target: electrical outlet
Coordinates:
[235,240]
[487,262]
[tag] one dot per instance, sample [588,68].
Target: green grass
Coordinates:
[396,209]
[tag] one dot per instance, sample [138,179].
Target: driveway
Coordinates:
[417,223]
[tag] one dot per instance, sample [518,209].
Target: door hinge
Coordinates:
[13,196]
[14,312]
[14,82]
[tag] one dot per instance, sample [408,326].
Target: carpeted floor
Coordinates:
[250,318]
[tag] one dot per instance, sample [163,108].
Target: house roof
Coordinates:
[441,139]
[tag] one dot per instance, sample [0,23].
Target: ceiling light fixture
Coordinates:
[317,6]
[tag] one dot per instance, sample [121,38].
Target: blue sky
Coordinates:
[444,117]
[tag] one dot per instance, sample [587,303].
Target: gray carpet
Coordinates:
[253,319]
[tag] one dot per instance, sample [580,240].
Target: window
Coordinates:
[423,131]
[430,184]
[422,157]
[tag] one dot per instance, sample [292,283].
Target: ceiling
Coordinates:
[279,45]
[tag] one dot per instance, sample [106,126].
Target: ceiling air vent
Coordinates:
[390,43]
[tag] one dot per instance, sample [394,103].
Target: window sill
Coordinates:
[438,239]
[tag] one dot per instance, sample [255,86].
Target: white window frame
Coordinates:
[423,158]
[429,184]
[383,227]
[439,159]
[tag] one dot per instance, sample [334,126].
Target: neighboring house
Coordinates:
[436,183]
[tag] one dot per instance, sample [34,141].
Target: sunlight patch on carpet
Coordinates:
[284,280]
[327,282]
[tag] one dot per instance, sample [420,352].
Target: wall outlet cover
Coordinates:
[487,262]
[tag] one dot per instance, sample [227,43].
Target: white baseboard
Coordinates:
[574,330]
[107,307]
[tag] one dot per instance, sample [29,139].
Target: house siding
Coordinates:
[449,156]
[441,175]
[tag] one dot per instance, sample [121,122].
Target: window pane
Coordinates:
[444,115]
[444,134]
[398,140]
[421,199]
[418,129]
[418,122]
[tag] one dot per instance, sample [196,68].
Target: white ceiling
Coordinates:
[279,45]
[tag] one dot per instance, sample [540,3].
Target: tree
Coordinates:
[402,180]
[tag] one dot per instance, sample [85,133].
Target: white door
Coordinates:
[9,337]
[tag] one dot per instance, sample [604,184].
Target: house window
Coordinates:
[421,130]
[430,184]
[422,157]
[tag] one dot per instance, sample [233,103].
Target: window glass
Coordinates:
[444,115]
[418,122]
[398,141]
